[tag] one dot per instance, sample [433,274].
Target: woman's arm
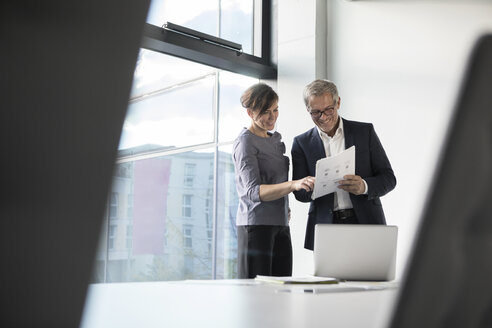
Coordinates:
[247,168]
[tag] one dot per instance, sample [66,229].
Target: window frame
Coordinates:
[177,44]
[168,42]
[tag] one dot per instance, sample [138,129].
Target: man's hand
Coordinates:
[352,184]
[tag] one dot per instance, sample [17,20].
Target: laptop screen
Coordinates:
[355,251]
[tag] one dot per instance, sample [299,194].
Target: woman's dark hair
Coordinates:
[259,97]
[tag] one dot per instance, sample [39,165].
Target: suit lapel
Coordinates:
[348,134]
[318,150]
[349,142]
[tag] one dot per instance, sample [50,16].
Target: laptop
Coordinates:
[355,251]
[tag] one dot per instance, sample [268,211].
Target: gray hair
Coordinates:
[318,88]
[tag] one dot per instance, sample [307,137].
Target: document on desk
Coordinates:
[330,170]
[297,280]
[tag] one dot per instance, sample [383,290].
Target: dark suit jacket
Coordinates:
[371,163]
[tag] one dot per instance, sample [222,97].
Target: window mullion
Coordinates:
[216,172]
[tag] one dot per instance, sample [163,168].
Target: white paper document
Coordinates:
[297,280]
[330,170]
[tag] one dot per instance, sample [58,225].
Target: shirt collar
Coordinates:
[338,132]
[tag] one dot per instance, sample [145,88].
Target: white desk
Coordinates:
[237,303]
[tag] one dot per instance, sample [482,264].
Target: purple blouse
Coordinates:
[259,161]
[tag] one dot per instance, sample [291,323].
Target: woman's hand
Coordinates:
[276,191]
[306,183]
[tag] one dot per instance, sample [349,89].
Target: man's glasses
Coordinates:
[316,114]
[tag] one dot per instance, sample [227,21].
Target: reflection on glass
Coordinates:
[237,22]
[167,236]
[236,18]
[181,116]
[159,222]
[227,203]
[199,15]
[155,72]
[232,116]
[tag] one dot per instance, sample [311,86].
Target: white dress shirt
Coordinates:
[335,145]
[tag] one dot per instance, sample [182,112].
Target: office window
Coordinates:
[237,22]
[235,17]
[174,167]
[171,115]
[155,177]
[227,203]
[199,15]
[232,117]
[167,179]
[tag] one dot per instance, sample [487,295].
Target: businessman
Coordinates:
[357,200]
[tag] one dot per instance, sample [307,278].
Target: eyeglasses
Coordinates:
[316,114]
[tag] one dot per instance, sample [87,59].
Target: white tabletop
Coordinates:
[238,303]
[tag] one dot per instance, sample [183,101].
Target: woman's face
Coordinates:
[267,120]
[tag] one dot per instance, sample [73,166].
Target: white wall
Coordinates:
[398,64]
[297,66]
[301,57]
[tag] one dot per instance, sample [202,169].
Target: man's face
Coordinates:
[324,112]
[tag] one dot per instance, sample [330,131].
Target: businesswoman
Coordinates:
[264,243]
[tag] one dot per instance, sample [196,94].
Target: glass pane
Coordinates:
[180,116]
[155,72]
[200,15]
[237,22]
[167,236]
[227,203]
[99,268]
[232,116]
